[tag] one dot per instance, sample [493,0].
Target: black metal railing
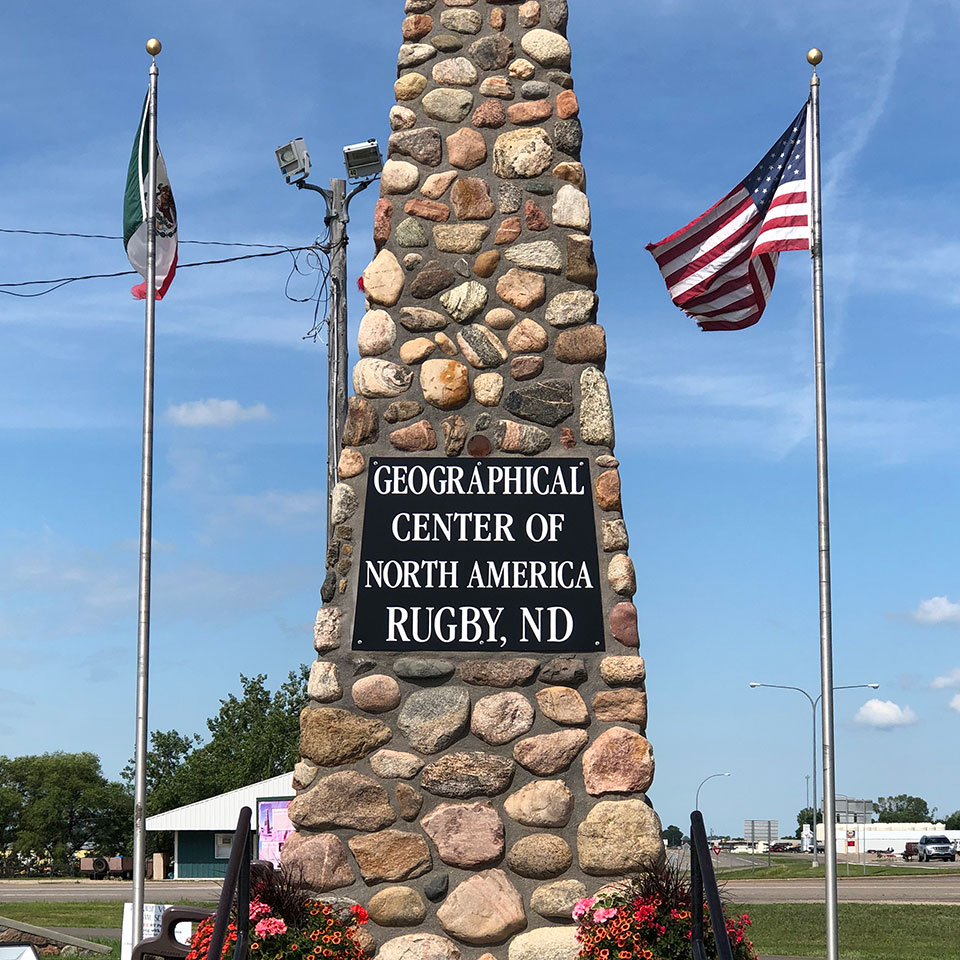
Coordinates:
[236,882]
[704,882]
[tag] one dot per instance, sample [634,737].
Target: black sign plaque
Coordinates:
[467,556]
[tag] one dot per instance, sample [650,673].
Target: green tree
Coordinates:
[166,783]
[672,836]
[166,786]
[904,809]
[804,817]
[253,736]
[953,821]
[11,807]
[66,805]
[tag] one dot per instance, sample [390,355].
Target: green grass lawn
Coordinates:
[868,931]
[79,913]
[789,868]
[114,945]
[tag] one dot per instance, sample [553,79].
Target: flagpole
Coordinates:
[146,512]
[814,57]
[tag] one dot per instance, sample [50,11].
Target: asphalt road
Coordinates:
[160,891]
[912,889]
[915,889]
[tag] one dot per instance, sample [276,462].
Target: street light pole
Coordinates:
[337,218]
[696,805]
[813,707]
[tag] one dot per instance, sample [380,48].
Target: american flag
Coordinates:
[720,268]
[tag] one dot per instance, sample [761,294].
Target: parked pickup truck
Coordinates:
[909,851]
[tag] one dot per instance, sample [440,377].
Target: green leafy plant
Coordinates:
[649,918]
[287,922]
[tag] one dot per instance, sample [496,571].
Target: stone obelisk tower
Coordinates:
[474,759]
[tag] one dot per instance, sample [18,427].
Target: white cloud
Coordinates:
[885,715]
[951,679]
[215,413]
[877,66]
[937,610]
[955,703]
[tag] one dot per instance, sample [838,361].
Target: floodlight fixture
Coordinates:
[363,160]
[293,160]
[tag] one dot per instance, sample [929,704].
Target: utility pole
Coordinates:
[337,218]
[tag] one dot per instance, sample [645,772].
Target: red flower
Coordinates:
[361,914]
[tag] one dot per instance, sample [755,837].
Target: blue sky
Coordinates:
[679,100]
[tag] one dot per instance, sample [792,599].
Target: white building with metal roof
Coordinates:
[203,831]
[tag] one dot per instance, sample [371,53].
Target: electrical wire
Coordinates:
[319,261]
[316,259]
[63,281]
[103,236]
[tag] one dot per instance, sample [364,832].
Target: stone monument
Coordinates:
[473,754]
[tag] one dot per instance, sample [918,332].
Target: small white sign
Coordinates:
[152,915]
[18,953]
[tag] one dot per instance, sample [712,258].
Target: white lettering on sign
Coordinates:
[492,553]
[533,620]
[452,528]
[412,574]
[487,480]
[529,575]
[447,624]
[540,528]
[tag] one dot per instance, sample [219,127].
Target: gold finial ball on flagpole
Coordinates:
[814,56]
[154,46]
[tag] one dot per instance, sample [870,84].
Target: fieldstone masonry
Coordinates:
[477,796]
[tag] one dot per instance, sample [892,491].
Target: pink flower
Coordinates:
[258,910]
[269,927]
[582,907]
[601,916]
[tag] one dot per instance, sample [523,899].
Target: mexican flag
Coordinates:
[135,215]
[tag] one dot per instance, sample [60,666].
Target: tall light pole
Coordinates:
[813,707]
[363,162]
[696,805]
